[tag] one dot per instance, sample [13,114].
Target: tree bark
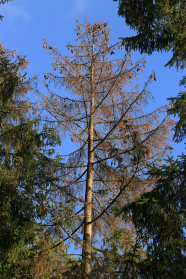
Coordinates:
[87,238]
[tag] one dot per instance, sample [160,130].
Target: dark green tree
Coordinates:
[178,108]
[28,171]
[160,26]
[159,216]
[160,223]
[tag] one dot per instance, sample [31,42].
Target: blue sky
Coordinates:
[25,23]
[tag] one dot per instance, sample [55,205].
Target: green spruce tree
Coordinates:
[28,171]
[160,26]
[159,216]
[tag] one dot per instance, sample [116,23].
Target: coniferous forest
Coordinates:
[115,205]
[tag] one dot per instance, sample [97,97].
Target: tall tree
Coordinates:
[27,172]
[159,216]
[116,139]
[160,26]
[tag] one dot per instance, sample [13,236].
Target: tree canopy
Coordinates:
[159,217]
[160,26]
[27,171]
[104,117]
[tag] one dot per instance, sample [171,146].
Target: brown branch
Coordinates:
[123,115]
[120,192]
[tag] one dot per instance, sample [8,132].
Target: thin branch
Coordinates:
[120,192]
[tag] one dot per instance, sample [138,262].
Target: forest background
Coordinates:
[25,24]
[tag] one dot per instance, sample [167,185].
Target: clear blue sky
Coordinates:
[26,22]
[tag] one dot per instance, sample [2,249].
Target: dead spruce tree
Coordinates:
[103,114]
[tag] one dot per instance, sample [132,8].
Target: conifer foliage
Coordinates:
[27,172]
[160,223]
[103,114]
[160,26]
[159,215]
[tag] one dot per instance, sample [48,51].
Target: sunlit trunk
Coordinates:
[87,238]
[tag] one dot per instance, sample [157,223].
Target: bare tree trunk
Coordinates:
[87,238]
